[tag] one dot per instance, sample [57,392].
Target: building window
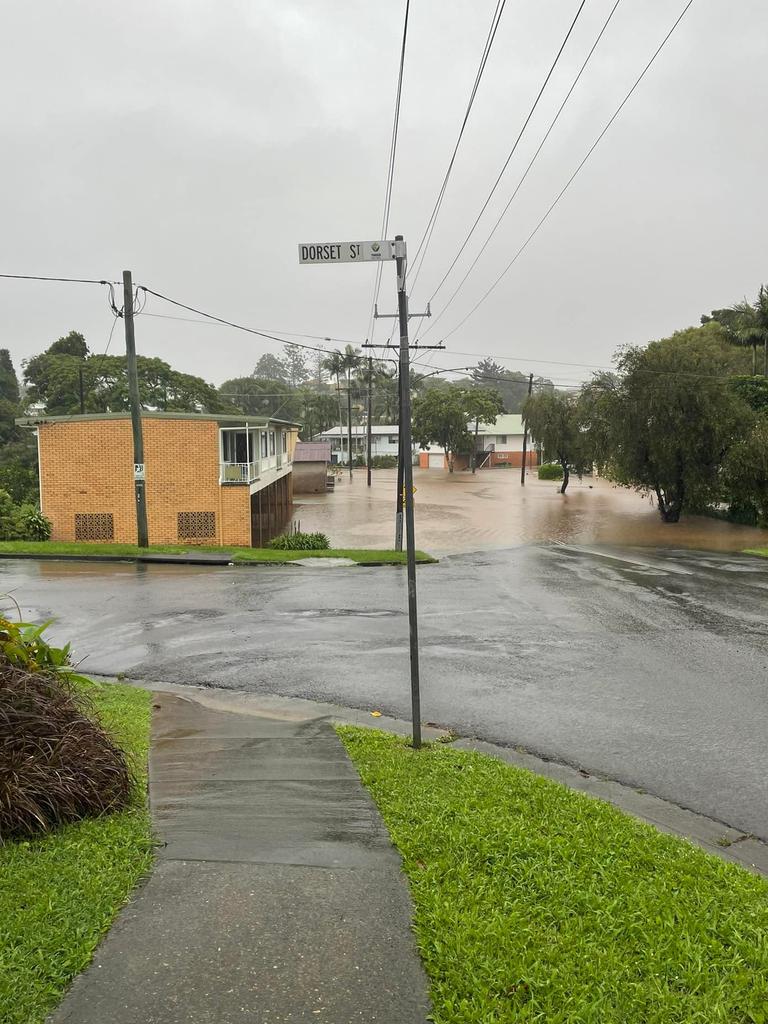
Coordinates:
[264,443]
[502,438]
[393,439]
[285,442]
[271,442]
[197,525]
[94,526]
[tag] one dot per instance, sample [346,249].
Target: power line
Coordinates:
[565,188]
[275,330]
[66,280]
[532,161]
[427,236]
[513,150]
[228,323]
[390,170]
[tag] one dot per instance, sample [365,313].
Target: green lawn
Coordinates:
[534,903]
[762,552]
[361,555]
[59,894]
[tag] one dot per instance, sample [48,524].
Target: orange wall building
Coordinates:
[213,480]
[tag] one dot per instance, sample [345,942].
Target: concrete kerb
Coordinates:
[714,836]
[207,559]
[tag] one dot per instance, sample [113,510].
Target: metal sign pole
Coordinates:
[407,460]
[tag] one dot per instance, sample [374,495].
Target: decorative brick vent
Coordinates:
[197,525]
[94,526]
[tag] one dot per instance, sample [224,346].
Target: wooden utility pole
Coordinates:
[135,402]
[525,435]
[407,460]
[370,410]
[349,421]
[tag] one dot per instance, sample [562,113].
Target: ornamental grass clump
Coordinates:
[57,763]
[300,542]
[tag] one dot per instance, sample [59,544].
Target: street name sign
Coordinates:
[346,252]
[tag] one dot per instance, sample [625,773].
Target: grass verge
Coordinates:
[60,893]
[535,903]
[362,555]
[762,552]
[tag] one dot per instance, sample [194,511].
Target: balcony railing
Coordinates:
[239,472]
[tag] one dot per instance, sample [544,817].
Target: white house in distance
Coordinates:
[498,444]
[383,441]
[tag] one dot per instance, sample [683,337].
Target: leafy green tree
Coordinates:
[745,471]
[72,344]
[439,417]
[752,390]
[512,385]
[555,420]
[256,397]
[667,419]
[53,378]
[295,364]
[449,416]
[318,412]
[271,367]
[482,405]
[9,399]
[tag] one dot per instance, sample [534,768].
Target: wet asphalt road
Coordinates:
[648,666]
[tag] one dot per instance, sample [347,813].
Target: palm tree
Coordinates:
[746,329]
[334,364]
[350,361]
[747,324]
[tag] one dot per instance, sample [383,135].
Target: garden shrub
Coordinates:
[383,462]
[21,522]
[37,526]
[551,471]
[300,542]
[57,763]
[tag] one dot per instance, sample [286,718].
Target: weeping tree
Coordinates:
[666,420]
[556,421]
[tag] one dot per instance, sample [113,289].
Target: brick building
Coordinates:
[210,479]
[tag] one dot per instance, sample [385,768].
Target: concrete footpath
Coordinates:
[277,895]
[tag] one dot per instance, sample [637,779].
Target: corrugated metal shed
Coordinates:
[312,451]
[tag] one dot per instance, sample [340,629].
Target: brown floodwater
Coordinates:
[461,512]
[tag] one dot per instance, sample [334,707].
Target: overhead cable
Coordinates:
[512,151]
[568,183]
[532,161]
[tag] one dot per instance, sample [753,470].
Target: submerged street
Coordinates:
[646,665]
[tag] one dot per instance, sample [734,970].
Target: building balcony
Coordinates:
[249,472]
[239,472]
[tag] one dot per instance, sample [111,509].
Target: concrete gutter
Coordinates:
[714,836]
[194,558]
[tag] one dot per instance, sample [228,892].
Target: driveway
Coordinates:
[648,666]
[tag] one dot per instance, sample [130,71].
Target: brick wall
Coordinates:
[87,467]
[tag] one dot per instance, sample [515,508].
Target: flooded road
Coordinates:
[461,512]
[649,666]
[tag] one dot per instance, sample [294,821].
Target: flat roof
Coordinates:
[235,420]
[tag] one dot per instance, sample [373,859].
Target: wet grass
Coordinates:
[536,903]
[363,556]
[761,552]
[59,894]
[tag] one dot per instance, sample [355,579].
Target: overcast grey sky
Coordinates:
[198,142]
